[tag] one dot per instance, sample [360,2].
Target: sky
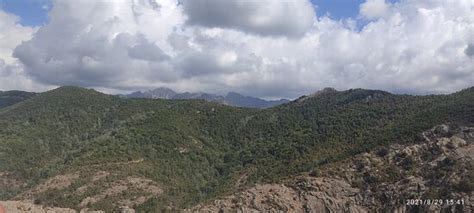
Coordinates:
[264,48]
[35,12]
[31,12]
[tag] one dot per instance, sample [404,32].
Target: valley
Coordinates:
[80,149]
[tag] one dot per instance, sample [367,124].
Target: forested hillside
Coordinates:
[12,97]
[192,150]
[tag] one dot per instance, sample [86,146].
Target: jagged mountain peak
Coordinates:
[231,99]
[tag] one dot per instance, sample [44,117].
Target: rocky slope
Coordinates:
[78,148]
[440,166]
[87,188]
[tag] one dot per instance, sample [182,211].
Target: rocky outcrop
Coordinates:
[438,167]
[319,195]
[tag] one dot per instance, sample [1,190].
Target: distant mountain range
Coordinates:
[332,151]
[231,99]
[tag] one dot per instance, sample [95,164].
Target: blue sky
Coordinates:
[286,56]
[337,9]
[34,12]
[31,12]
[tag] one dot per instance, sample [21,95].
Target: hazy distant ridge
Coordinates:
[231,99]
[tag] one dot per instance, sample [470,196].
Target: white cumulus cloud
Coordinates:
[12,34]
[264,17]
[374,8]
[413,46]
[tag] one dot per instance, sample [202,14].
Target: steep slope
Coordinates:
[439,168]
[334,125]
[8,98]
[70,130]
[77,148]
[36,135]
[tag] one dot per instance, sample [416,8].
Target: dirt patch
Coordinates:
[146,189]
[7,180]
[97,177]
[100,175]
[26,206]
[54,183]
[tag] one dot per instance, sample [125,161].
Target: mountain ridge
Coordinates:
[384,179]
[231,98]
[194,150]
[12,97]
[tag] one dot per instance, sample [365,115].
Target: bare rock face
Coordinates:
[309,194]
[439,167]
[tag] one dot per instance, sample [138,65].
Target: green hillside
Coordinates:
[196,150]
[12,97]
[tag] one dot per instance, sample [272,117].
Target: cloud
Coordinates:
[414,46]
[101,44]
[372,9]
[12,34]
[266,17]
[146,50]
[469,50]
[12,76]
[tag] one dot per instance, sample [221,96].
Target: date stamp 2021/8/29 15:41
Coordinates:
[435,202]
